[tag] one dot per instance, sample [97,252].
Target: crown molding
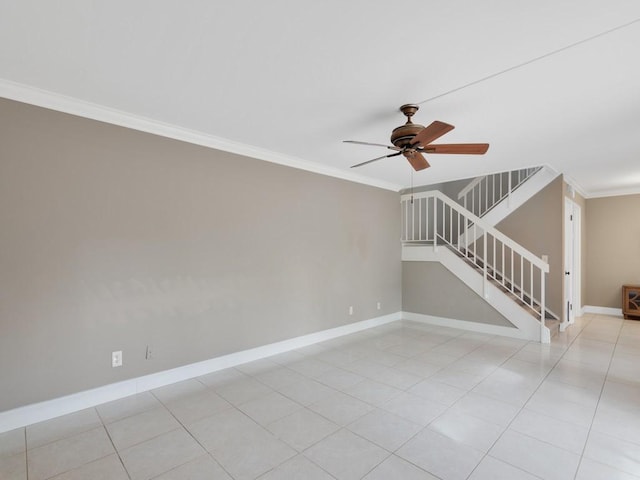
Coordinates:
[601,193]
[576,187]
[614,193]
[74,106]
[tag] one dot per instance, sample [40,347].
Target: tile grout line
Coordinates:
[450,406]
[66,436]
[150,438]
[599,398]
[425,427]
[190,434]
[468,391]
[87,463]
[523,406]
[303,407]
[486,454]
[602,388]
[127,416]
[26,455]
[310,446]
[345,427]
[104,426]
[94,427]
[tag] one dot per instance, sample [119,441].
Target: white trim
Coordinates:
[570,260]
[614,193]
[38,412]
[617,312]
[573,184]
[600,193]
[81,108]
[466,325]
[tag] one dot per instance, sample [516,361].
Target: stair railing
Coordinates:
[484,193]
[432,218]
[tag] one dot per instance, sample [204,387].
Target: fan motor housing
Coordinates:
[402,135]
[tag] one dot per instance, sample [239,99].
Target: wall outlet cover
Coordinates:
[116,359]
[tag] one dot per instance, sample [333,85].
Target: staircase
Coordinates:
[508,276]
[493,197]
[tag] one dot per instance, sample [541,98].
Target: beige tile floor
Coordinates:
[404,401]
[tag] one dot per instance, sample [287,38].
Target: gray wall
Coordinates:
[430,289]
[450,189]
[613,243]
[113,239]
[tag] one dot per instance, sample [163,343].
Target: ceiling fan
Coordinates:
[412,140]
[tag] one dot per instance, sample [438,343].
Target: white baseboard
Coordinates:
[617,312]
[38,412]
[466,325]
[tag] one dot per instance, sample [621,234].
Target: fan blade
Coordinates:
[376,159]
[462,148]
[416,159]
[430,133]
[390,147]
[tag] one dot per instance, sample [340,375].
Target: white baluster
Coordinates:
[522,278]
[435,224]
[485,285]
[531,281]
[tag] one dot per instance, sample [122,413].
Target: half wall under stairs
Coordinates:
[443,284]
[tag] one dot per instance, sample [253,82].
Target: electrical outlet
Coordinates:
[379,305]
[351,310]
[116,359]
[149,353]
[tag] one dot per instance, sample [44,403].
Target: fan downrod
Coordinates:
[401,136]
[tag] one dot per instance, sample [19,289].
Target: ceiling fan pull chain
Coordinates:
[411,170]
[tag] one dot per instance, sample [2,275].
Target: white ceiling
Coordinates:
[553,82]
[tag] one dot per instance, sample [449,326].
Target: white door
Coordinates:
[571,262]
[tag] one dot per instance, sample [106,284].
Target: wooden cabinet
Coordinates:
[631,301]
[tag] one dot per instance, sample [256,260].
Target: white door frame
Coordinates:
[572,246]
